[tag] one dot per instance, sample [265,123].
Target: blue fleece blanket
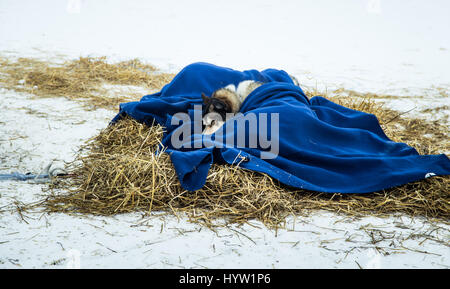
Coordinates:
[322,146]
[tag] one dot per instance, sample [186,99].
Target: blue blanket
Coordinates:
[323,146]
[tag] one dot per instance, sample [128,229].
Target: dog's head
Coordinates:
[215,104]
[215,109]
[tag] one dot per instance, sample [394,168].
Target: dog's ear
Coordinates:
[205,98]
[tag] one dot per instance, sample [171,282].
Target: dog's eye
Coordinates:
[213,122]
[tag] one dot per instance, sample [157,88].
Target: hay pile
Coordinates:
[82,79]
[121,171]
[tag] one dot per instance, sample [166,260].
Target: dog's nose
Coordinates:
[208,130]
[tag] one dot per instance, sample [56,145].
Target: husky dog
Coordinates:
[225,100]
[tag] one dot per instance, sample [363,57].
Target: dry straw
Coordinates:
[121,169]
[82,79]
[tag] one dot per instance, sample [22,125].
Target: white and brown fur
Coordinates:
[225,100]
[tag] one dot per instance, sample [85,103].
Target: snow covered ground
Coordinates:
[386,47]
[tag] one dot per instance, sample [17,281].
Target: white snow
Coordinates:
[393,47]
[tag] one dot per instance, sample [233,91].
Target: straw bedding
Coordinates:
[81,79]
[121,170]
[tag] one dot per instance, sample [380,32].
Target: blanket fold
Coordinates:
[320,145]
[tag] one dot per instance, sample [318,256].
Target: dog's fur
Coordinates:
[225,100]
[246,87]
